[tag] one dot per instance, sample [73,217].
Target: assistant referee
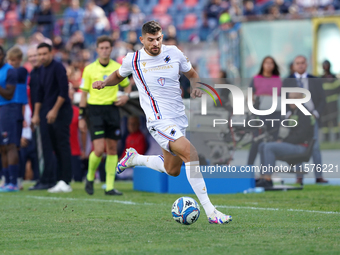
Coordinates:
[100,109]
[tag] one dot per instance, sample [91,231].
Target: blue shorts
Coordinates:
[10,124]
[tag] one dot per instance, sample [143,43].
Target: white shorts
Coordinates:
[166,130]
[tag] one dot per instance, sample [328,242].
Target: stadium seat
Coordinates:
[165,3]
[191,3]
[159,9]
[190,21]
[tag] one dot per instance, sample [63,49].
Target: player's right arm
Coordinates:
[11,82]
[117,76]
[114,79]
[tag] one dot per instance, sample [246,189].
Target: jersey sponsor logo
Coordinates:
[152,69]
[167,59]
[161,81]
[173,132]
[144,63]
[105,76]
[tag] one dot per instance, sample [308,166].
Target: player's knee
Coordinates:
[173,171]
[99,151]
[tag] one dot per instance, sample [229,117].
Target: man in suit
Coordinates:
[300,78]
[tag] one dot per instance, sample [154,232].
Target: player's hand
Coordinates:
[122,100]
[35,120]
[23,142]
[24,124]
[82,125]
[98,85]
[51,116]
[196,93]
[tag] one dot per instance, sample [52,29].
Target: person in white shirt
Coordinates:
[155,69]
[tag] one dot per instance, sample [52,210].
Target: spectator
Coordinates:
[263,84]
[74,142]
[249,8]
[26,10]
[331,85]
[95,22]
[73,18]
[283,6]
[21,43]
[45,19]
[295,143]
[136,18]
[315,106]
[53,95]
[212,12]
[136,138]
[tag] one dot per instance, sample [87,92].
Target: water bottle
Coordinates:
[254,190]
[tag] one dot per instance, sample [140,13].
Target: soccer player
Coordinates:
[155,69]
[102,112]
[10,125]
[14,58]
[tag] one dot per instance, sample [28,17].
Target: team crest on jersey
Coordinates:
[161,81]
[173,132]
[144,63]
[167,59]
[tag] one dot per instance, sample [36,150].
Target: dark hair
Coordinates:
[151,27]
[104,38]
[276,67]
[45,45]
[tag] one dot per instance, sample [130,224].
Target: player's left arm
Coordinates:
[193,77]
[189,72]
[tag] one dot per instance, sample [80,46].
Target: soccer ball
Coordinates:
[185,210]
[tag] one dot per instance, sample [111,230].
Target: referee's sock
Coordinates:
[110,169]
[153,162]
[94,162]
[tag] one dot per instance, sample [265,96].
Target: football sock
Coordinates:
[198,185]
[13,174]
[6,175]
[94,162]
[110,169]
[153,162]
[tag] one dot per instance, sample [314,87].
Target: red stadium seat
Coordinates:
[159,10]
[190,21]
[191,3]
[165,3]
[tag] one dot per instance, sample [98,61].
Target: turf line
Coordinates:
[219,206]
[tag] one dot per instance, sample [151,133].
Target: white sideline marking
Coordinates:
[219,206]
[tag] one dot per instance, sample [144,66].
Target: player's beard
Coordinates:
[153,52]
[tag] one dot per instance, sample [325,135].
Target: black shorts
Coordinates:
[103,121]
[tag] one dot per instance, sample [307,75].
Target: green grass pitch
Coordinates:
[293,222]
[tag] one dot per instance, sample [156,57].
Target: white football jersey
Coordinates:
[157,80]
